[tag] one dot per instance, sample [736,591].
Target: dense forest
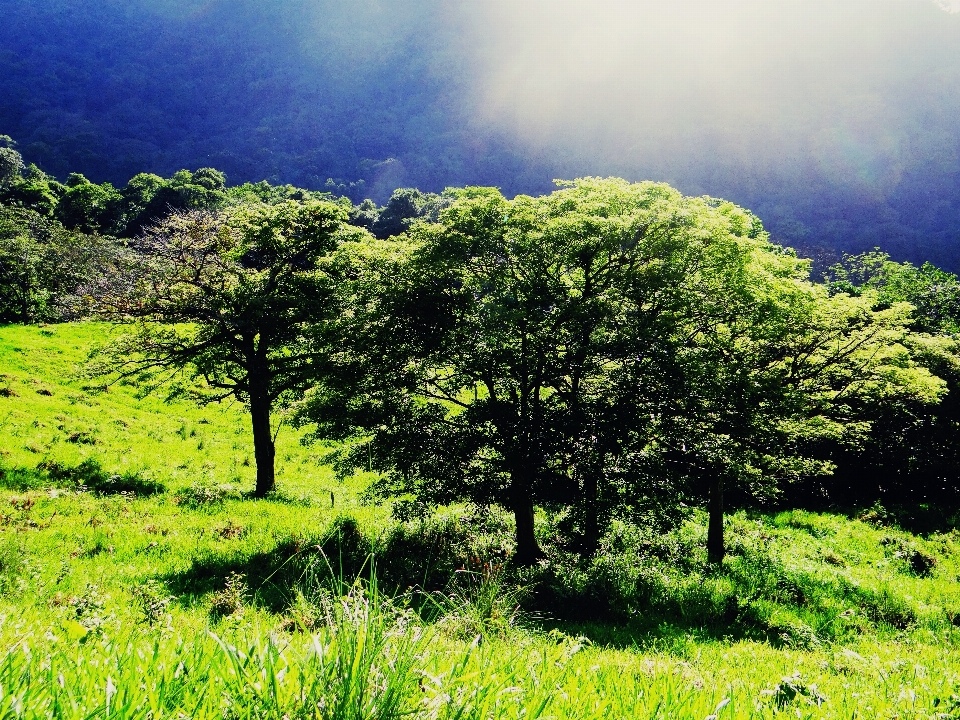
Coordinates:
[835,122]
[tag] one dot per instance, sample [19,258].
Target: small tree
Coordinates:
[11,163]
[44,268]
[239,300]
[790,370]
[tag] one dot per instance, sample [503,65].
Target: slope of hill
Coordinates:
[138,580]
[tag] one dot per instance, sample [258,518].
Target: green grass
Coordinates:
[137,581]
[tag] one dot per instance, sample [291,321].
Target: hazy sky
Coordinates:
[859,88]
[718,96]
[838,121]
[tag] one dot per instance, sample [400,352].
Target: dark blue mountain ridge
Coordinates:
[836,121]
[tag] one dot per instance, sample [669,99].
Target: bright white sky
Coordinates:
[651,87]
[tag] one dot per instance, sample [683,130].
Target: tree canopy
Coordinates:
[611,350]
[238,300]
[594,350]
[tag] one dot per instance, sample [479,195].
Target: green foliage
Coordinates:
[934,293]
[46,272]
[151,599]
[11,164]
[41,196]
[405,206]
[907,459]
[230,601]
[483,601]
[89,208]
[793,690]
[605,349]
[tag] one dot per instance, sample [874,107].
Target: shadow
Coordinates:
[22,479]
[740,601]
[304,563]
[632,598]
[422,558]
[279,497]
[89,475]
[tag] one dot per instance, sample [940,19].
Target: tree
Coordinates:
[604,351]
[11,163]
[21,295]
[405,206]
[89,208]
[148,198]
[45,270]
[524,352]
[790,370]
[908,460]
[237,299]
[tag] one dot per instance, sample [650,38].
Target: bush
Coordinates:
[883,607]
[230,601]
[915,561]
[151,600]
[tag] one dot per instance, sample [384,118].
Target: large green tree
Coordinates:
[795,366]
[526,352]
[909,458]
[600,350]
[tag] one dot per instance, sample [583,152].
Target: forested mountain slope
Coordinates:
[837,123]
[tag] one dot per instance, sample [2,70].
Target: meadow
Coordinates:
[139,579]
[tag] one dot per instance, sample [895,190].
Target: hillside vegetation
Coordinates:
[854,149]
[140,581]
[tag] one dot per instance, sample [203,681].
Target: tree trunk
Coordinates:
[263,448]
[591,514]
[715,549]
[528,550]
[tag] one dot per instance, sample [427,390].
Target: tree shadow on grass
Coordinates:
[273,577]
[620,601]
[749,599]
[88,475]
[424,558]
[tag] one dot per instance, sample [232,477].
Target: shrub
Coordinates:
[792,633]
[151,599]
[915,560]
[482,601]
[886,608]
[793,690]
[230,601]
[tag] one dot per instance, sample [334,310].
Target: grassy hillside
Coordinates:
[138,581]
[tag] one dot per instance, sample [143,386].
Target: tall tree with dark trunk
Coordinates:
[241,301]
